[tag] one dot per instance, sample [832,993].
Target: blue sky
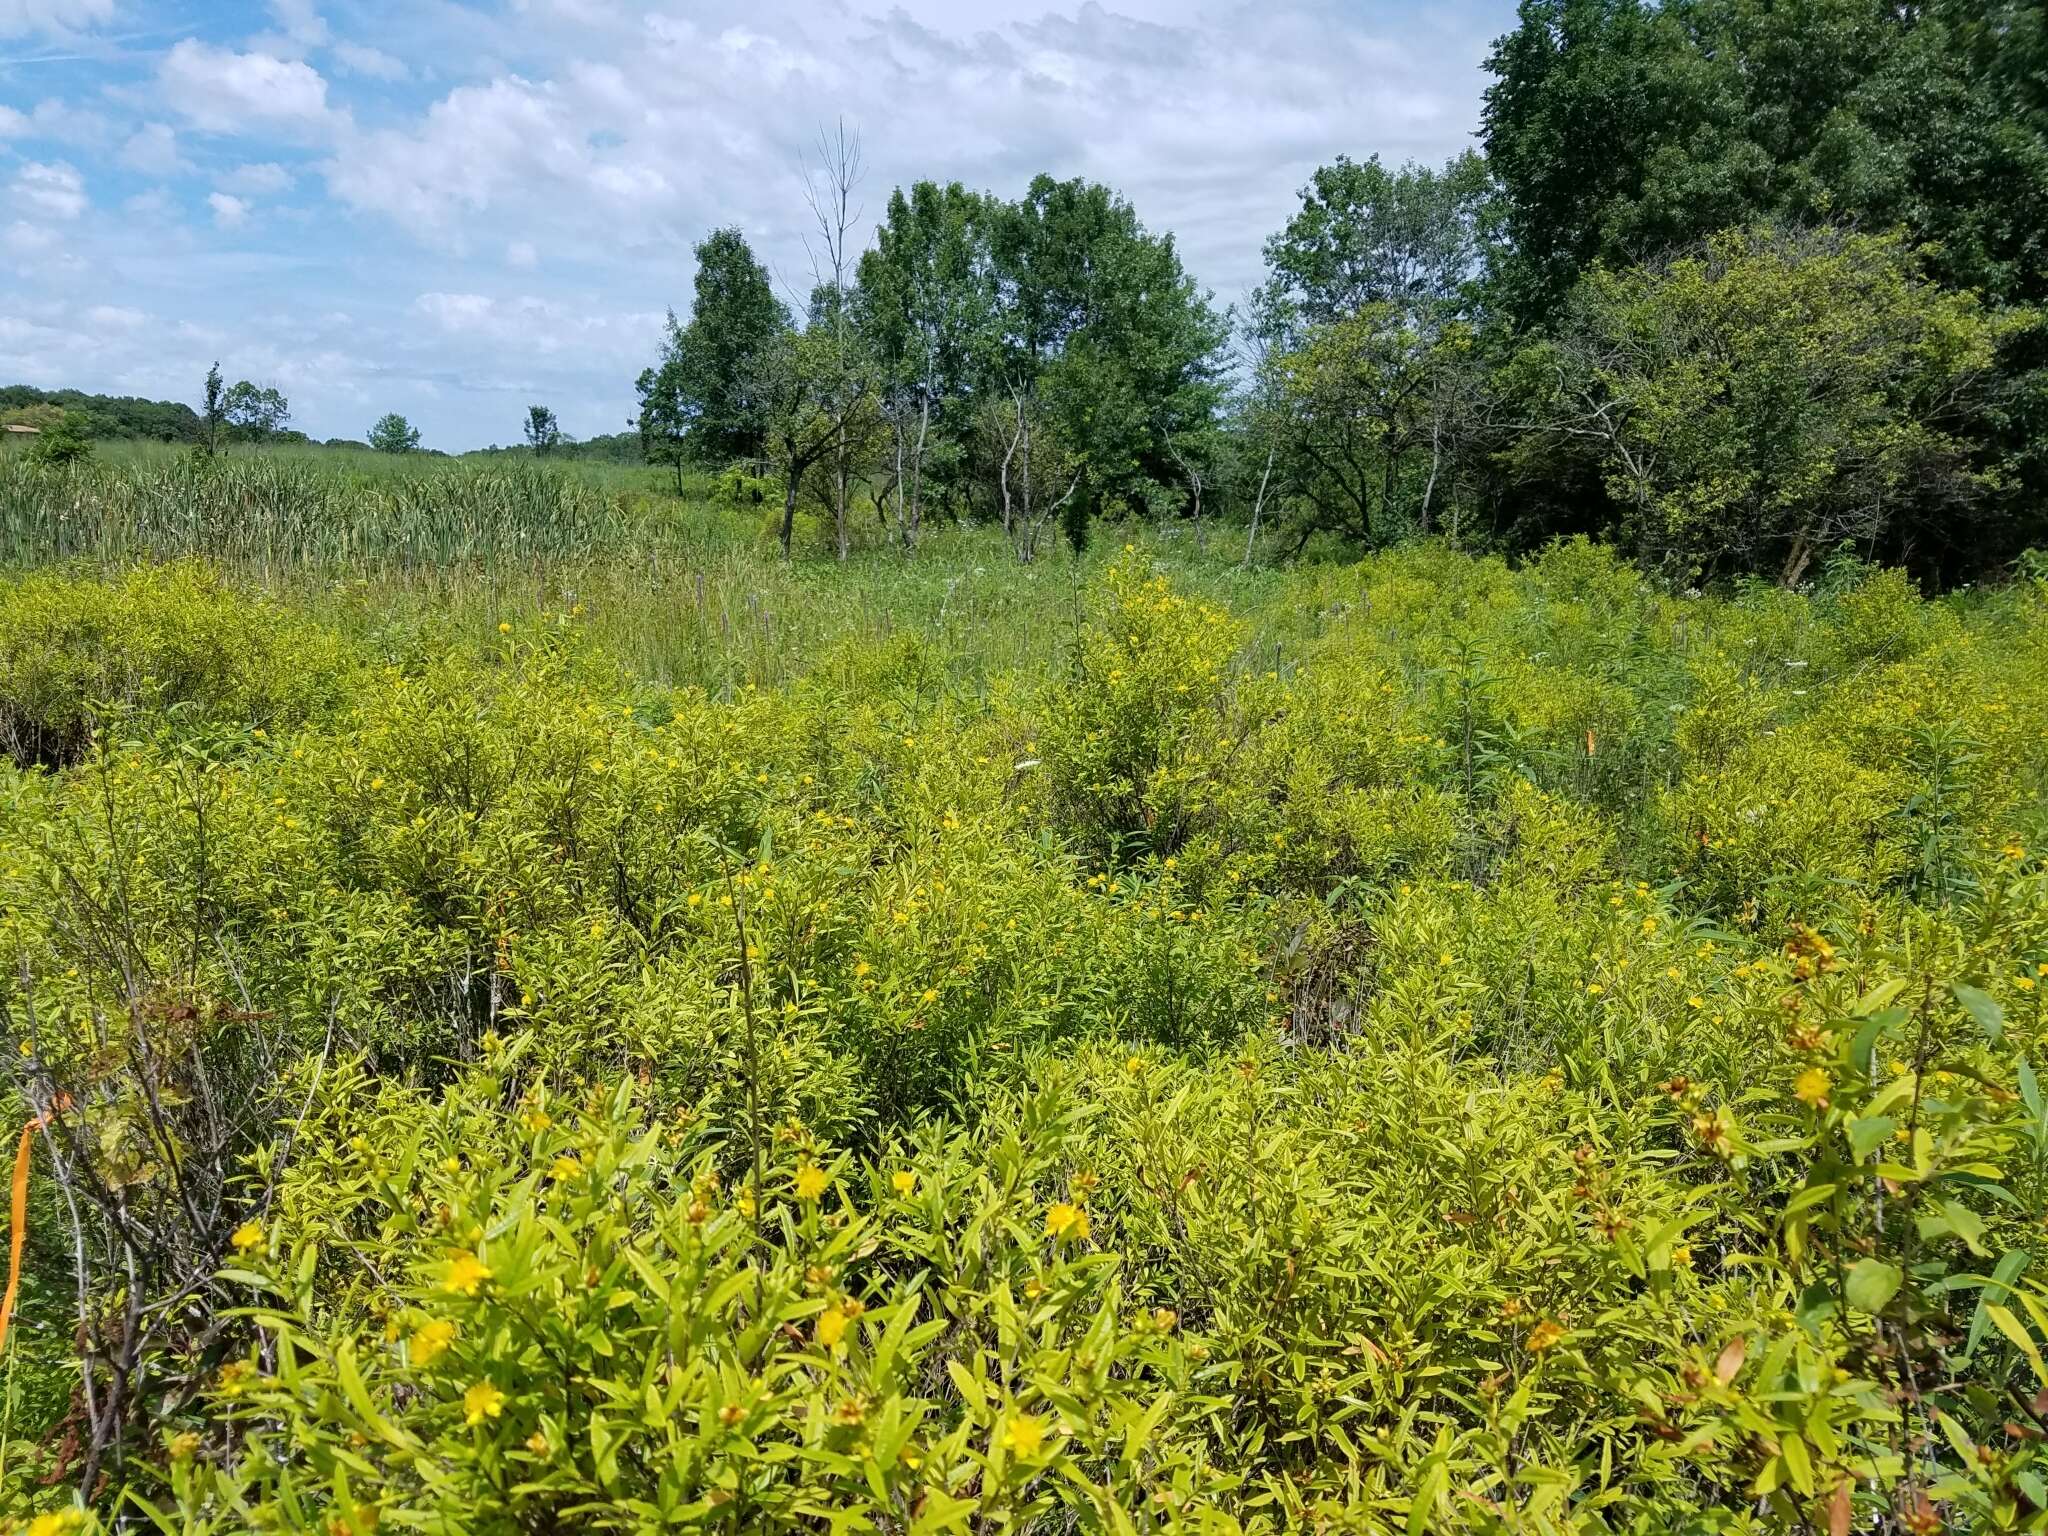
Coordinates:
[452,210]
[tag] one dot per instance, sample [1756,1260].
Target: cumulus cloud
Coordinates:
[51,191]
[53,18]
[153,150]
[223,91]
[641,129]
[300,22]
[494,203]
[372,63]
[262,179]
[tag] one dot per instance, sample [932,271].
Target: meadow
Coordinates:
[535,1013]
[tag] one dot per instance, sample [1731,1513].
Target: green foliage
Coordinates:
[164,642]
[718,358]
[286,511]
[1365,236]
[107,416]
[64,441]
[1777,394]
[1411,1045]
[392,433]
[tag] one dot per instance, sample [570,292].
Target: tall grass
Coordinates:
[275,513]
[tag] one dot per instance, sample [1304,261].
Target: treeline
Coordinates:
[1733,286]
[101,416]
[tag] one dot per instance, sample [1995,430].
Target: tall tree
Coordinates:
[829,188]
[214,412]
[1106,331]
[543,431]
[722,355]
[392,433]
[664,418]
[926,304]
[1622,129]
[1415,237]
[795,379]
[255,413]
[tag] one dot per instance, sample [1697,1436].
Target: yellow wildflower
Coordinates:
[480,1402]
[1544,1336]
[903,1181]
[811,1182]
[432,1341]
[465,1273]
[831,1328]
[1024,1435]
[1065,1222]
[1812,1088]
[247,1236]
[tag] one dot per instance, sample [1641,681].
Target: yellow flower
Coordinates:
[61,1523]
[903,1181]
[504,629]
[482,1401]
[248,1235]
[1064,1222]
[184,1447]
[1135,1065]
[1812,1088]
[1544,1336]
[1024,1435]
[430,1342]
[811,1182]
[831,1328]
[465,1273]
[566,1170]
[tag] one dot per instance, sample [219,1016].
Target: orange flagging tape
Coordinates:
[19,1235]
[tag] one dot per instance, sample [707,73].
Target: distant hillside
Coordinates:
[164,421]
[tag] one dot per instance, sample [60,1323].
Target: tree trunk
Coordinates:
[1258,505]
[789,507]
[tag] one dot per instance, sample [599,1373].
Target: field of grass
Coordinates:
[549,1018]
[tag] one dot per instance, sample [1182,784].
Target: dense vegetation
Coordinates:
[848,962]
[652,1035]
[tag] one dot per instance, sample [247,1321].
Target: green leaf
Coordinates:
[2008,1270]
[1872,1283]
[1981,1007]
[1870,1133]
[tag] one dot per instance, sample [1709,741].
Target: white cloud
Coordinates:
[545,192]
[264,179]
[153,150]
[25,239]
[300,22]
[68,124]
[54,191]
[372,63]
[226,92]
[115,317]
[53,18]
